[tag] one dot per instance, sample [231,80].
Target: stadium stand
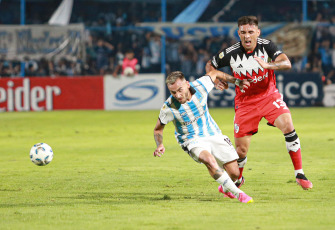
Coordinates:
[110,33]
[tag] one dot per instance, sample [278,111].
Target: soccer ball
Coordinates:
[128,71]
[41,154]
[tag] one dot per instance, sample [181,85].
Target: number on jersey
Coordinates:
[280,103]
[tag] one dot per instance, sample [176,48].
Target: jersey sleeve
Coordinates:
[221,59]
[165,115]
[272,50]
[206,82]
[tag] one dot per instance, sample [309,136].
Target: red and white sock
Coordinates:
[241,163]
[294,149]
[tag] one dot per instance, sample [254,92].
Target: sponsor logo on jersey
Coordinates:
[240,66]
[186,123]
[256,79]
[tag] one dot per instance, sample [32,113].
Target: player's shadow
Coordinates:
[97,198]
[125,197]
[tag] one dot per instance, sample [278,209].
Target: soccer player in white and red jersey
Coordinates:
[255,59]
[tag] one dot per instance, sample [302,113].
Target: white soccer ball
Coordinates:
[128,71]
[41,154]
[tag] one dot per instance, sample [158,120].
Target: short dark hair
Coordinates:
[172,77]
[245,20]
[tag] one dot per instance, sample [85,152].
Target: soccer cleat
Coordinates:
[226,194]
[244,198]
[303,181]
[240,183]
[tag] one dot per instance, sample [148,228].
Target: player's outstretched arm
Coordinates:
[280,63]
[158,135]
[219,85]
[219,78]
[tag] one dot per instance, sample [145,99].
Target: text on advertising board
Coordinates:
[24,98]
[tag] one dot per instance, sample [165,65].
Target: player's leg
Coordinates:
[242,146]
[225,154]
[285,124]
[218,174]
[247,118]
[232,169]
[226,157]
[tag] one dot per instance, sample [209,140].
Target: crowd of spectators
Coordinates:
[321,57]
[127,12]
[108,49]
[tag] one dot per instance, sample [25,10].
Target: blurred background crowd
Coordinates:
[111,47]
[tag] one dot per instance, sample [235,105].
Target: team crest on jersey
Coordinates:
[201,99]
[237,128]
[221,55]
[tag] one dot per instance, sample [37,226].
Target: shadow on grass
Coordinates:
[98,198]
[141,196]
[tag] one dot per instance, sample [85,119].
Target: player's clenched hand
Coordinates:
[242,84]
[245,84]
[221,85]
[159,151]
[261,62]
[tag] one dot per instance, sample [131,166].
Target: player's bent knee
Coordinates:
[234,174]
[232,170]
[242,151]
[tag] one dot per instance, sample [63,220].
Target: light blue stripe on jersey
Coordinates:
[192,119]
[200,98]
[179,128]
[208,121]
[205,108]
[215,125]
[186,118]
[196,113]
[177,123]
[202,85]
[197,93]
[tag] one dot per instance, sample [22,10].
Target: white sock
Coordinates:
[298,171]
[228,185]
[241,162]
[238,180]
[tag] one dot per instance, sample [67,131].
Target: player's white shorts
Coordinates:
[219,146]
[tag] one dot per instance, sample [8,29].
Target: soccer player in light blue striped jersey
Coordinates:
[196,131]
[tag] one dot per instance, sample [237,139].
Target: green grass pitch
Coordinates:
[104,175]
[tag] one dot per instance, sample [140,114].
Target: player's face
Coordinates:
[180,90]
[248,35]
